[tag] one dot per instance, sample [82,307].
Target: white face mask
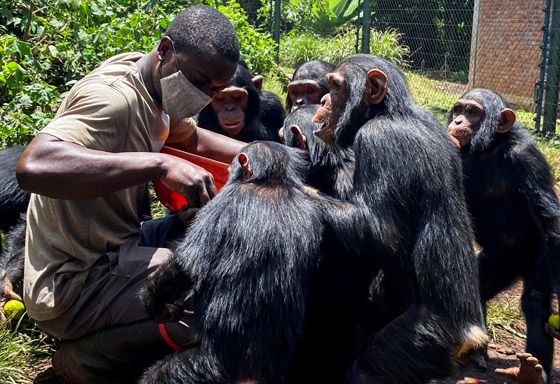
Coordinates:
[179,98]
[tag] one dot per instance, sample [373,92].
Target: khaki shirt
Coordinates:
[110,110]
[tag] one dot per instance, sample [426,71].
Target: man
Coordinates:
[86,254]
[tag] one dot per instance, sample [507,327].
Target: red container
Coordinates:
[174,200]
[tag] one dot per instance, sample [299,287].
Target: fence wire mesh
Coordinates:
[508,46]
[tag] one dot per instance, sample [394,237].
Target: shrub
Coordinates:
[297,48]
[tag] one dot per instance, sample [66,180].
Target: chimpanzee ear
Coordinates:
[281,135]
[244,162]
[507,118]
[243,159]
[301,140]
[257,80]
[376,87]
[290,76]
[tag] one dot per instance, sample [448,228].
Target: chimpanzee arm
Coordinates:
[208,144]
[166,292]
[536,187]
[347,222]
[11,262]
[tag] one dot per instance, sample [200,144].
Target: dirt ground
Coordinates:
[501,352]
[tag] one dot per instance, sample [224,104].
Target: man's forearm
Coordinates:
[210,144]
[65,170]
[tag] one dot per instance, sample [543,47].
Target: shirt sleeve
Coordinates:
[94,115]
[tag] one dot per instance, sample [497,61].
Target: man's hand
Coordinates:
[6,295]
[193,182]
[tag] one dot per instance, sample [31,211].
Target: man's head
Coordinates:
[202,44]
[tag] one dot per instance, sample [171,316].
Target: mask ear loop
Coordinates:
[174,56]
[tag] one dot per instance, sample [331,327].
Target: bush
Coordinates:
[297,48]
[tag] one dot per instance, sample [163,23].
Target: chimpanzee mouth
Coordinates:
[325,133]
[233,128]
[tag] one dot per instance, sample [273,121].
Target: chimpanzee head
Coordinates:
[239,103]
[361,88]
[271,163]
[298,132]
[477,117]
[308,84]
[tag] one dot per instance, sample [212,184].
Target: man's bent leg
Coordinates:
[116,354]
[110,324]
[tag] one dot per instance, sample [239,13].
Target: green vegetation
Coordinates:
[503,315]
[22,348]
[296,48]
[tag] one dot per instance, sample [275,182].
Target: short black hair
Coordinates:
[204,31]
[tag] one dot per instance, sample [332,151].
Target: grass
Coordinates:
[503,316]
[22,348]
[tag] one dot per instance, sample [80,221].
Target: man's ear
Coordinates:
[257,80]
[507,118]
[290,76]
[376,86]
[164,45]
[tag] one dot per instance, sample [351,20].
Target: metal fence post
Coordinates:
[474,43]
[540,85]
[276,32]
[366,26]
[552,72]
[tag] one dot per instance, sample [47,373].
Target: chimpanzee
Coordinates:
[408,214]
[272,109]
[11,262]
[237,111]
[254,253]
[332,167]
[13,200]
[308,84]
[13,205]
[515,212]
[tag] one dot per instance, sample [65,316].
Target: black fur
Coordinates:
[253,252]
[12,256]
[13,200]
[408,214]
[332,167]
[255,128]
[516,217]
[272,111]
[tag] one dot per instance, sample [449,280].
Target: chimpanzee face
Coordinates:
[332,106]
[352,89]
[466,118]
[304,92]
[230,105]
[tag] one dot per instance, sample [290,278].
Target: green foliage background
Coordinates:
[47,45]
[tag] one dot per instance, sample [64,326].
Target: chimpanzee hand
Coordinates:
[193,182]
[7,293]
[552,332]
[186,214]
[167,293]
